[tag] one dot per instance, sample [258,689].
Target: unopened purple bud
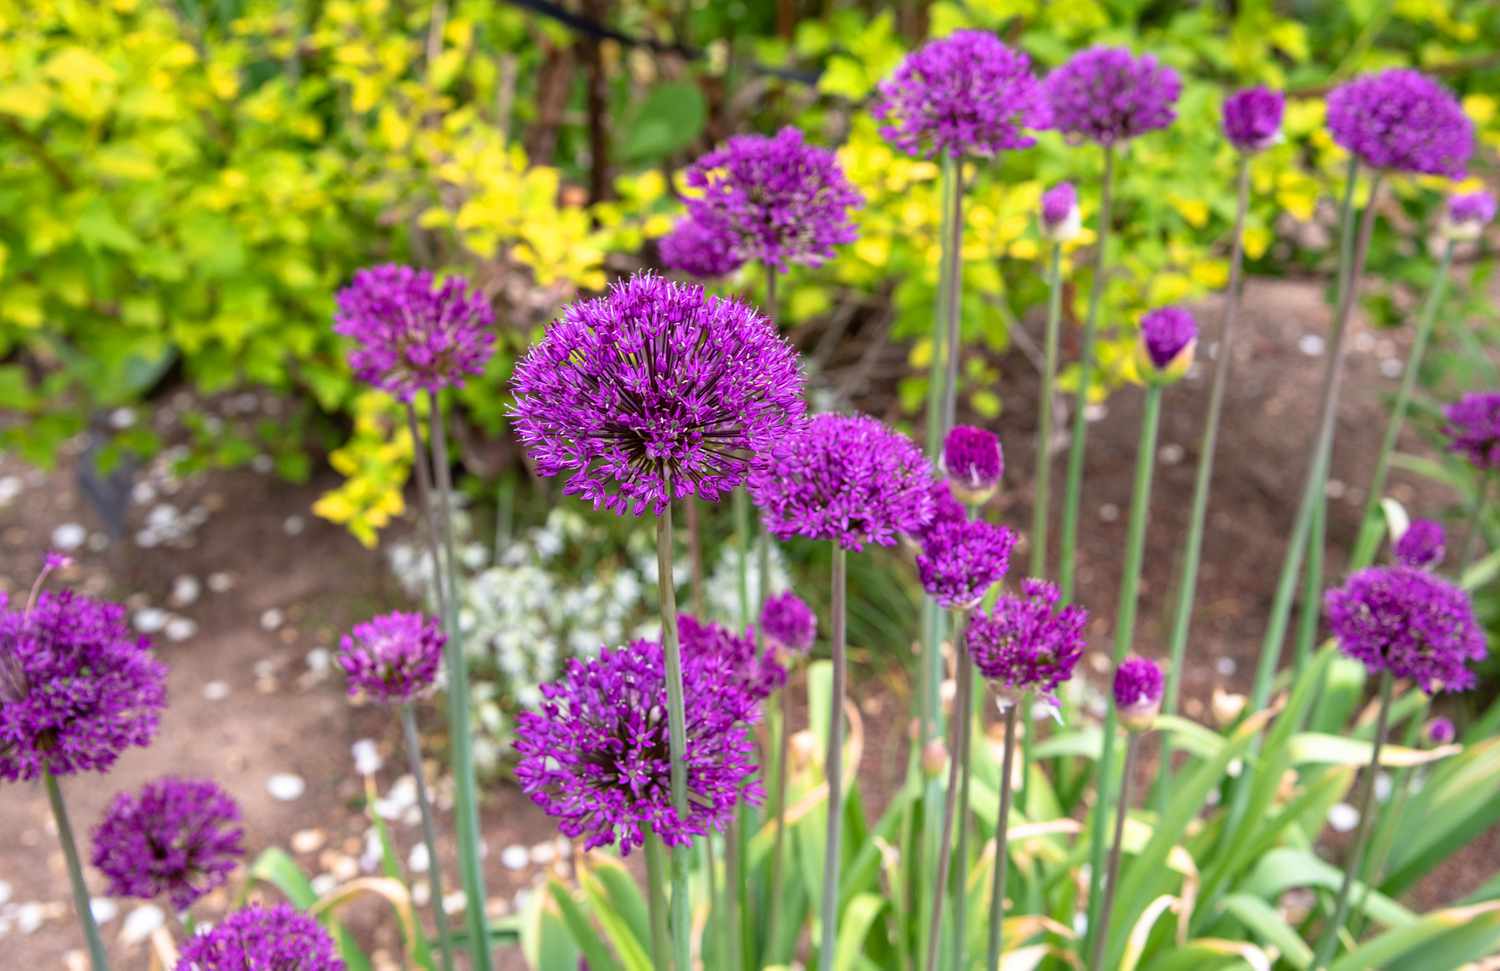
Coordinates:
[1252,118]
[392,658]
[1421,546]
[1138,690]
[1168,335]
[974,463]
[1060,219]
[1468,214]
[1473,428]
[1440,731]
[789,623]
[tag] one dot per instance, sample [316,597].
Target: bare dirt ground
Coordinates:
[254,704]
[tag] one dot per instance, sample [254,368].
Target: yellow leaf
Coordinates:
[1195,211]
[1210,273]
[27,101]
[1480,107]
[1025,249]
[78,66]
[921,353]
[1257,241]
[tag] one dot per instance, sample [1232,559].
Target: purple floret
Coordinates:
[178,837]
[1473,428]
[1252,118]
[77,688]
[755,677]
[847,479]
[960,562]
[655,391]
[262,939]
[1107,95]
[412,333]
[973,459]
[789,623]
[964,94]
[776,200]
[1472,208]
[1025,642]
[1166,332]
[1422,545]
[1403,121]
[1408,622]
[1138,683]
[392,658]
[597,755]
[698,250]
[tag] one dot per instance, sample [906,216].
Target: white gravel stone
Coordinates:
[69,536]
[514,857]
[216,690]
[220,582]
[294,525]
[186,590]
[141,922]
[272,618]
[1343,817]
[103,909]
[149,620]
[367,760]
[1311,345]
[418,861]
[10,487]
[181,628]
[285,786]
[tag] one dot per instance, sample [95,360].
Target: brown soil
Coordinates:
[281,716]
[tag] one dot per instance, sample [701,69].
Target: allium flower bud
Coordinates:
[1252,118]
[1060,217]
[1421,546]
[788,623]
[1138,689]
[934,758]
[1473,428]
[974,463]
[1440,731]
[1465,216]
[1168,338]
[392,658]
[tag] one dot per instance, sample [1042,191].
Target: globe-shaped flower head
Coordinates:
[1252,118]
[1168,337]
[392,658]
[776,200]
[848,479]
[1107,95]
[1473,428]
[77,688]
[1467,214]
[262,939]
[1440,731]
[1026,643]
[1138,690]
[597,757]
[412,333]
[754,677]
[1422,545]
[1408,622]
[964,94]
[788,623]
[1403,121]
[653,392]
[974,463]
[1060,218]
[179,837]
[960,562]
[698,250]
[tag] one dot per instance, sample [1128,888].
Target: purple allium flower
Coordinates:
[1138,689]
[1106,95]
[1408,622]
[1060,218]
[392,658]
[698,250]
[1421,546]
[960,562]
[946,510]
[1168,335]
[776,200]
[1472,207]
[411,333]
[1025,642]
[597,756]
[262,939]
[848,479]
[1252,118]
[179,837]
[755,677]
[1473,428]
[1401,120]
[653,392]
[789,623]
[964,94]
[76,687]
[1440,731]
[974,463]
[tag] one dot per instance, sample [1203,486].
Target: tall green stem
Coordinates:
[961,814]
[1106,910]
[741,504]
[778,850]
[1329,942]
[954,294]
[677,732]
[833,766]
[656,899]
[1370,521]
[81,904]
[1045,433]
[950,801]
[1002,829]
[1474,527]
[1067,571]
[461,739]
[429,834]
[1312,591]
[1135,550]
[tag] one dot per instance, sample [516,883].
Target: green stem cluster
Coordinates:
[81,904]
[834,765]
[1112,877]
[429,833]
[957,768]
[1042,494]
[677,734]
[1002,832]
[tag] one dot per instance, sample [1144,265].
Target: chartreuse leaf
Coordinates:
[279,870]
[1458,800]
[1270,927]
[855,922]
[622,894]
[1442,939]
[1284,868]
[546,942]
[584,934]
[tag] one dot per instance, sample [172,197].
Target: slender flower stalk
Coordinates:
[97,957]
[1002,833]
[787,627]
[656,902]
[1112,876]
[429,833]
[1042,495]
[961,738]
[677,733]
[1473,528]
[834,767]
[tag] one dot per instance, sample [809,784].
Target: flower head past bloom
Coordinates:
[789,623]
[848,479]
[77,687]
[411,333]
[262,939]
[1466,215]
[1440,731]
[1107,95]
[1421,546]
[1138,690]
[974,463]
[776,199]
[755,677]
[1252,118]
[1060,217]
[394,657]
[964,94]
[597,754]
[959,563]
[698,250]
[1408,622]
[179,837]
[1473,428]
[1402,121]
[653,392]
[1168,336]
[1026,643]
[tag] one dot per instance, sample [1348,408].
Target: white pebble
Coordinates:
[262,463]
[418,861]
[186,590]
[367,760]
[1109,512]
[149,620]
[103,909]
[216,690]
[68,536]
[1310,344]
[5,892]
[1343,817]
[1172,453]
[1095,413]
[308,840]
[324,883]
[1225,666]
[1391,367]
[220,582]
[143,493]
[121,418]
[453,903]
[181,628]
[514,857]
[29,917]
[1383,786]
[272,618]
[294,525]
[1336,489]
[10,487]
[319,660]
[285,786]
[141,922]
[543,854]
[162,516]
